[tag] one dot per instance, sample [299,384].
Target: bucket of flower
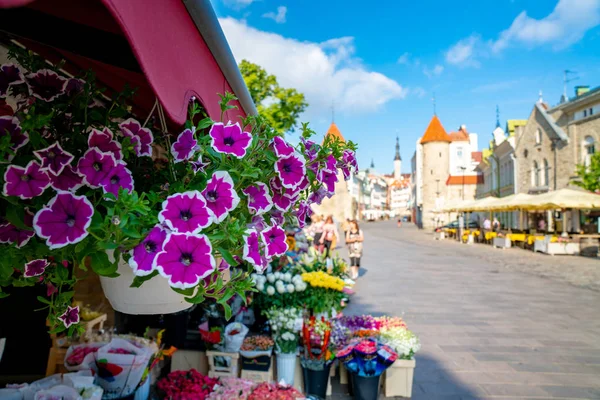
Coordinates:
[256,353]
[317,358]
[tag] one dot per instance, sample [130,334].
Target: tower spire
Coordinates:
[397,157]
[497,116]
[372,164]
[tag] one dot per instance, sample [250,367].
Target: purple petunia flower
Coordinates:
[74,86]
[199,166]
[318,196]
[11,126]
[35,267]
[95,166]
[69,179]
[304,211]
[230,139]
[257,223]
[311,149]
[220,195]
[141,138]
[330,164]
[11,234]
[252,249]
[274,241]
[70,317]
[259,199]
[281,147]
[275,184]
[10,75]
[25,183]
[329,179]
[46,85]
[282,201]
[64,220]
[185,212]
[143,255]
[291,170]
[185,260]
[105,143]
[185,145]
[349,158]
[277,217]
[54,158]
[118,177]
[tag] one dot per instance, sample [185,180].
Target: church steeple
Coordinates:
[372,164]
[397,157]
[397,161]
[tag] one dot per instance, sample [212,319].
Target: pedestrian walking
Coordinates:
[496,225]
[317,231]
[346,226]
[399,222]
[354,241]
[329,235]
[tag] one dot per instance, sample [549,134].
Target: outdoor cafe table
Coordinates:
[533,238]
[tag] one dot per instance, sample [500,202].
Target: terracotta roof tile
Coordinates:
[467,179]
[460,136]
[477,156]
[435,132]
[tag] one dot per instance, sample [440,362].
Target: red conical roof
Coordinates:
[435,132]
[335,132]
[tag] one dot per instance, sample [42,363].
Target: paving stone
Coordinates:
[572,392]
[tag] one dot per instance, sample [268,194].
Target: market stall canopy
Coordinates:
[513,202]
[477,205]
[563,199]
[171,50]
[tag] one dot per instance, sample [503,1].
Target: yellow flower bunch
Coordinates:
[323,280]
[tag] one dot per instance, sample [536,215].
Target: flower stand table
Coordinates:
[398,379]
[215,370]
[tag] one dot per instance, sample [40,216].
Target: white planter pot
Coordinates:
[501,242]
[153,297]
[398,378]
[286,367]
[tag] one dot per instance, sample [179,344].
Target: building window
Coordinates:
[535,175]
[546,172]
[538,136]
[589,148]
[584,113]
[591,111]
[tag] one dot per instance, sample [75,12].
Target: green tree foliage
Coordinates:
[281,107]
[589,176]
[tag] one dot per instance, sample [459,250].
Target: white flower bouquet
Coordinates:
[285,324]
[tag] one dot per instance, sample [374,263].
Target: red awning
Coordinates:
[173,57]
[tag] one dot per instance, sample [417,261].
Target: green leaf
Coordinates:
[198,297]
[15,215]
[216,236]
[227,256]
[227,310]
[139,280]
[205,123]
[101,265]
[184,292]
[44,300]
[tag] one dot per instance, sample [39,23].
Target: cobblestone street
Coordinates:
[498,324]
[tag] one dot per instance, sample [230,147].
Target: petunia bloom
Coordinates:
[141,138]
[95,166]
[185,145]
[64,220]
[185,260]
[330,164]
[283,201]
[74,86]
[252,249]
[257,223]
[281,147]
[54,158]
[185,212]
[143,255]
[10,74]
[304,211]
[311,149]
[274,241]
[46,85]
[35,267]
[291,170]
[230,139]
[329,179]
[220,196]
[11,234]
[104,141]
[199,165]
[70,317]
[69,179]
[277,217]
[259,199]
[25,183]
[318,196]
[118,177]
[11,126]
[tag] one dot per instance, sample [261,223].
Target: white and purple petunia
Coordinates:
[95,165]
[330,163]
[259,198]
[304,211]
[69,179]
[318,196]
[274,240]
[11,234]
[10,74]
[185,146]
[291,170]
[70,316]
[185,212]
[252,249]
[277,217]
[54,158]
[11,126]
[25,183]
[230,139]
[35,267]
[281,147]
[349,158]
[199,165]
[283,201]
[185,260]
[74,86]
[257,223]
[46,85]
[64,220]
[143,255]
[103,140]
[220,195]
[118,177]
[141,138]
[329,179]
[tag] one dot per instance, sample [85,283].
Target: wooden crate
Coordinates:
[398,379]
[217,371]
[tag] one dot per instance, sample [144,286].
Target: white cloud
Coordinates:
[238,4]
[404,59]
[565,25]
[435,71]
[278,17]
[464,51]
[325,72]
[418,91]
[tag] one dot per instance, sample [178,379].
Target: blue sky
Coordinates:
[379,63]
